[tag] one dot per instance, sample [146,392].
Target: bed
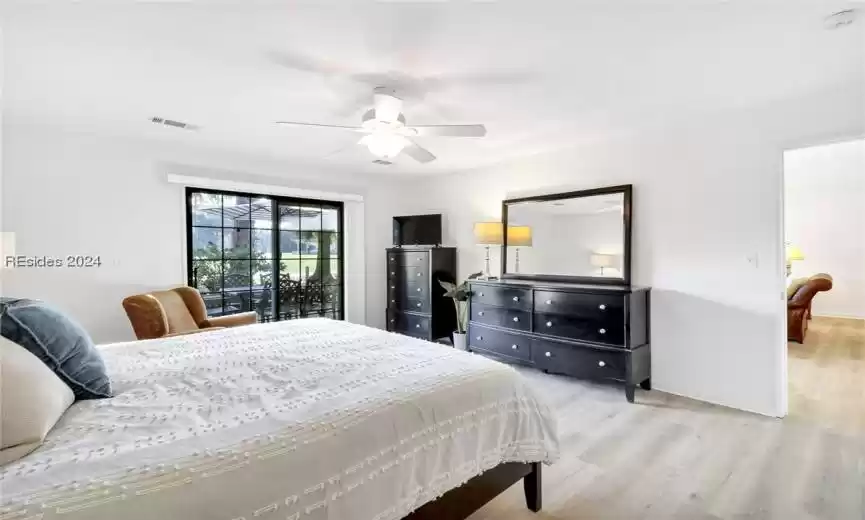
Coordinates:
[306,419]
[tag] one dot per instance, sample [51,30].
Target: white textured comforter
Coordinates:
[308,419]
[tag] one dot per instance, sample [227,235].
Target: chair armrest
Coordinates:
[174,334]
[232,320]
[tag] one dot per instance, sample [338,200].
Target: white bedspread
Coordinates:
[307,419]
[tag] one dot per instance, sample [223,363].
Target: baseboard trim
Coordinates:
[838,317]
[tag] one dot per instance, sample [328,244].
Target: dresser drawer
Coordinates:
[408,297]
[580,328]
[502,296]
[499,342]
[603,307]
[406,290]
[578,361]
[502,317]
[408,324]
[410,274]
[410,304]
[396,258]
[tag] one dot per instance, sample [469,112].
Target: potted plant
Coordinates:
[460,294]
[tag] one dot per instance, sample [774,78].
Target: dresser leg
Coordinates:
[629,392]
[647,384]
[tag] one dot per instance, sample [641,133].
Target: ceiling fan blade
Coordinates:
[418,153]
[448,130]
[339,127]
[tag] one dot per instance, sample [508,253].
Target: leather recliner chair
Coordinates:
[799,305]
[175,312]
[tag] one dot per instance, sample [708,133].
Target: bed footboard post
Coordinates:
[532,487]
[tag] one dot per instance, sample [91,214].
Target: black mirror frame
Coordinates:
[625,189]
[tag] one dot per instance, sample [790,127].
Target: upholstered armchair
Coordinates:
[799,296]
[174,312]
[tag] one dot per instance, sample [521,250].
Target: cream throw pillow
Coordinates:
[32,400]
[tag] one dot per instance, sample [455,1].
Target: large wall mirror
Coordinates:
[580,236]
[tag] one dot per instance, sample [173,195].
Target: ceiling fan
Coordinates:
[387,134]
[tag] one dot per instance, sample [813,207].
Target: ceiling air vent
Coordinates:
[173,123]
[382,162]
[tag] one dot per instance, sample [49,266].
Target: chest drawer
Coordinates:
[397,258]
[409,304]
[607,308]
[578,361]
[502,296]
[499,342]
[580,328]
[404,291]
[408,274]
[408,324]
[502,317]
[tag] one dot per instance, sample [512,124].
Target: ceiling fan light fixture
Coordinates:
[384,146]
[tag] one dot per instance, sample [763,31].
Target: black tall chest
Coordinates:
[416,305]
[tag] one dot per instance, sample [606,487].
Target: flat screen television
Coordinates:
[413,230]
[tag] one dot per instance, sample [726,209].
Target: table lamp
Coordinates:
[488,234]
[519,236]
[794,254]
[602,260]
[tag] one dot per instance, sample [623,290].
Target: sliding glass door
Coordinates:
[276,256]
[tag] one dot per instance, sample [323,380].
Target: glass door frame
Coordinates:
[276,201]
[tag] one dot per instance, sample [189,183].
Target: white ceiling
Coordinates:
[540,75]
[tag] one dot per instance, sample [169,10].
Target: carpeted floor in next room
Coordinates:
[668,457]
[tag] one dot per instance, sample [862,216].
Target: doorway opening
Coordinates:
[824,246]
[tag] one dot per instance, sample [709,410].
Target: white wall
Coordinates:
[825,216]
[706,234]
[69,193]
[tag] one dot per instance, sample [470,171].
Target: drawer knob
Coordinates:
[548,354]
[516,318]
[601,364]
[392,273]
[420,258]
[418,274]
[391,259]
[417,326]
[602,307]
[480,338]
[393,286]
[418,289]
[603,331]
[393,301]
[549,324]
[418,304]
[392,320]
[480,313]
[516,298]
[549,302]
[514,347]
[482,294]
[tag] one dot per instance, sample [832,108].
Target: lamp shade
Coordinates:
[794,253]
[520,236]
[602,260]
[488,233]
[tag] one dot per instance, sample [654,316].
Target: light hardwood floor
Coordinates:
[669,457]
[827,375]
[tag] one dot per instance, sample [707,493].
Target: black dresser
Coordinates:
[416,305]
[582,330]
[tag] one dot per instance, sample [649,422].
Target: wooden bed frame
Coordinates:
[459,503]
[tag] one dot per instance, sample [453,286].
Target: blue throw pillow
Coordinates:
[63,345]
